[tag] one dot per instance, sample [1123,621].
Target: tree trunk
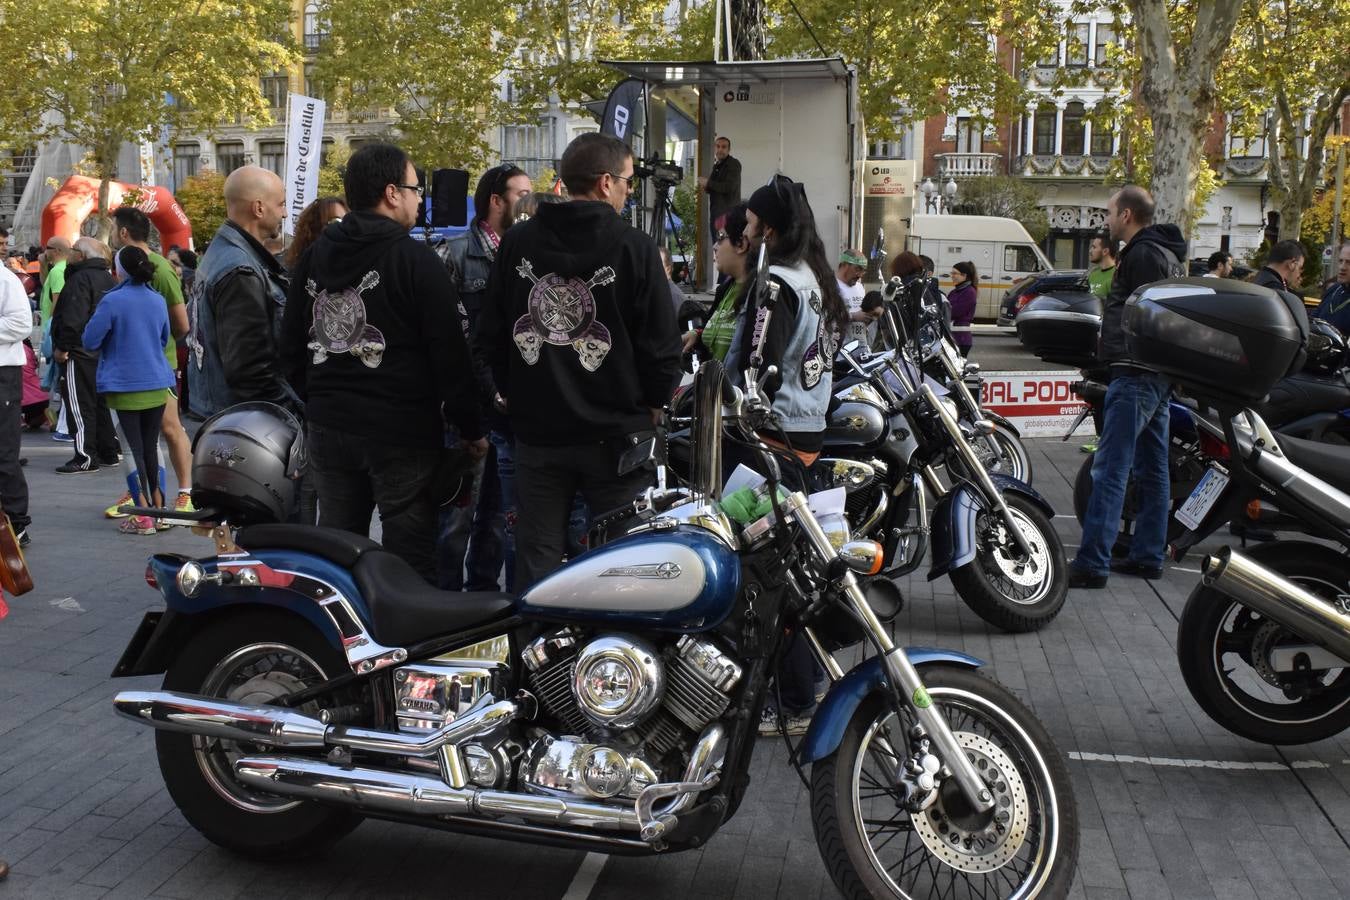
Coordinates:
[747,28]
[105,161]
[1178,130]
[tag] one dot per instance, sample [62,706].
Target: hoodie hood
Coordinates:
[353,248]
[1168,236]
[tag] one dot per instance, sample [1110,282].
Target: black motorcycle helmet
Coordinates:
[1326,349]
[246,461]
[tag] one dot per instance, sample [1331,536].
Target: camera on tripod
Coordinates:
[664,173]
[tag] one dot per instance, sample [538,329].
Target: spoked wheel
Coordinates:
[874,846]
[1006,588]
[253,659]
[1251,674]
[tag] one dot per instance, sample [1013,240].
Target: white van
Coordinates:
[1000,248]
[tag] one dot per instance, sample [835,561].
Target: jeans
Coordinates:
[355,475]
[1133,437]
[471,534]
[547,482]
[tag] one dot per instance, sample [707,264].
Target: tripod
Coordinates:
[663,217]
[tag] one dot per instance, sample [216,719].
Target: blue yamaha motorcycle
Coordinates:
[312,679]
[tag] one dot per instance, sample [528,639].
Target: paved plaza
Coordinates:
[1170,805]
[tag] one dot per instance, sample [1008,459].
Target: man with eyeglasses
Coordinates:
[373,343]
[579,331]
[474,532]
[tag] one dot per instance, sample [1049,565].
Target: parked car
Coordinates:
[1062,282]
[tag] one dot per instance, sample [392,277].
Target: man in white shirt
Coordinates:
[16,323]
[852,266]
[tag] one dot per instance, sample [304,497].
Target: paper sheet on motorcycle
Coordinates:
[1040,404]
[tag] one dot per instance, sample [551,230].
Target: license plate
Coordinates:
[1198,504]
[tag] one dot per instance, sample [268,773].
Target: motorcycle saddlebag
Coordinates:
[1062,328]
[1221,339]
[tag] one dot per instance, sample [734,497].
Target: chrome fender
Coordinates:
[834,712]
[953,522]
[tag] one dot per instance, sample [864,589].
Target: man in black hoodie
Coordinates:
[91,425]
[1134,415]
[580,334]
[371,340]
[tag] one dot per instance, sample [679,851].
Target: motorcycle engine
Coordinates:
[624,706]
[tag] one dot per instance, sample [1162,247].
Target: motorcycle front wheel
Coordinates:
[1011,459]
[1005,589]
[251,658]
[1226,652]
[872,847]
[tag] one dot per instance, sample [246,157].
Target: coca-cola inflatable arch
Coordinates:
[77,200]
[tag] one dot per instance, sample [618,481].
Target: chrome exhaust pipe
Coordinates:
[190,714]
[1279,599]
[276,726]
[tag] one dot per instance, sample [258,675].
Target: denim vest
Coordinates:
[229,251]
[808,361]
[469,266]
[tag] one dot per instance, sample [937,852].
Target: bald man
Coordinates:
[237,301]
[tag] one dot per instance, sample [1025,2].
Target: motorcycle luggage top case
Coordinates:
[1225,340]
[1062,328]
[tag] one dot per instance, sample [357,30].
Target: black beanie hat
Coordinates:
[770,203]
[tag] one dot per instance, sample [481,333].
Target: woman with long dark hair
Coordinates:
[962,299]
[806,326]
[800,338]
[129,330]
[310,223]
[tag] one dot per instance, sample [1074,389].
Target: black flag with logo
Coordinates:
[625,111]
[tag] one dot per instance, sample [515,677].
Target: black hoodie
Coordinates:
[578,326]
[388,348]
[1154,253]
[86,282]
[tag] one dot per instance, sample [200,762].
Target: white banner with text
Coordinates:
[1040,404]
[304,149]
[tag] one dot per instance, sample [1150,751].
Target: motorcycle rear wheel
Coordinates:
[251,658]
[1012,594]
[873,848]
[1224,652]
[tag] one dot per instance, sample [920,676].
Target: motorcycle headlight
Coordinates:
[618,681]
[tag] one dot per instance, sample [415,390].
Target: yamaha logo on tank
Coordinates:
[665,570]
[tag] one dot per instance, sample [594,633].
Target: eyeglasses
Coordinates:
[415,188]
[626,179]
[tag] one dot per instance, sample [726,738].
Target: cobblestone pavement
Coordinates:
[1170,804]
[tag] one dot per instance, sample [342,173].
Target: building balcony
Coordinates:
[966,165]
[1246,166]
[1064,165]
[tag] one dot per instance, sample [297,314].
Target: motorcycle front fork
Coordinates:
[904,680]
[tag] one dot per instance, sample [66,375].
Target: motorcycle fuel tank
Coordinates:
[682,580]
[855,423]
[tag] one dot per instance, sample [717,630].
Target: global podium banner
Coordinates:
[304,149]
[1040,404]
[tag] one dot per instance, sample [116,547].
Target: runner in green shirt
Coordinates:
[58,248]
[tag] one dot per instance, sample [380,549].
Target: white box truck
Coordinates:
[1000,248]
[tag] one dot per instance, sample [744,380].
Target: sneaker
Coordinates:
[137,525]
[182,504]
[76,468]
[114,511]
[111,461]
[24,539]
[1130,567]
[795,723]
[62,437]
[1089,447]
[1082,578]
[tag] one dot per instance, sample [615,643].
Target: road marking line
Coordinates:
[1222,764]
[584,881]
[1183,569]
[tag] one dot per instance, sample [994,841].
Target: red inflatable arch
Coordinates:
[77,200]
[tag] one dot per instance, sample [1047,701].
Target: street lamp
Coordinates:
[950,191]
[929,191]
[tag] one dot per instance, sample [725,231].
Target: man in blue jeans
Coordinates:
[1134,415]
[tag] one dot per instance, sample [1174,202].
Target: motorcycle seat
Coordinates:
[1329,462]
[1302,395]
[333,544]
[404,609]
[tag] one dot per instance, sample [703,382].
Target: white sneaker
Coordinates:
[795,725]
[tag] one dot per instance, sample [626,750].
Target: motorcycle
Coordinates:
[313,679]
[892,430]
[1264,641]
[1312,404]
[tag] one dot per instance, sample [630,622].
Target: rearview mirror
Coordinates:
[852,347]
[641,455]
